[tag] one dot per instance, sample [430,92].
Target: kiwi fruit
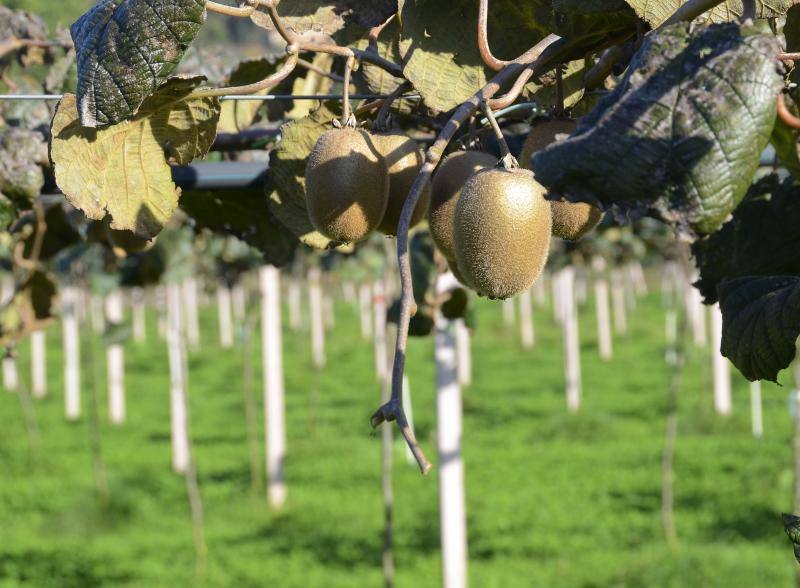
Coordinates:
[347,185]
[502,231]
[571,220]
[446,187]
[403,159]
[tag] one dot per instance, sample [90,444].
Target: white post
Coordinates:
[224,315]
[329,311]
[295,305]
[365,305]
[10,374]
[272,358]
[379,341]
[756,414]
[572,359]
[539,291]
[527,332]
[138,311]
[581,288]
[508,313]
[115,362]
[603,309]
[722,372]
[639,279]
[464,352]
[239,302]
[161,312]
[618,302]
[192,316]
[177,377]
[452,503]
[558,303]
[72,354]
[317,321]
[38,364]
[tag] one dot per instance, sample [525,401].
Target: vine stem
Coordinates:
[237,11]
[785,114]
[382,119]
[506,157]
[285,70]
[537,59]
[346,111]
[483,39]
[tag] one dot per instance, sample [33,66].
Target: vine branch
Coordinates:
[536,59]
[237,11]
[483,39]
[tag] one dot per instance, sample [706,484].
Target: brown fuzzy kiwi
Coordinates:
[404,158]
[347,185]
[453,266]
[502,231]
[446,187]
[571,220]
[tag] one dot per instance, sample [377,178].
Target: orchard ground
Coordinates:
[553,499]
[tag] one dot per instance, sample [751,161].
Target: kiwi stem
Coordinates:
[537,59]
[347,114]
[382,122]
[505,152]
[483,39]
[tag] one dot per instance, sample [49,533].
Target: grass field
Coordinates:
[553,500]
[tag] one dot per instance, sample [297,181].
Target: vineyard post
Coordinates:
[721,368]
[72,359]
[452,501]
[756,412]
[603,309]
[274,403]
[509,314]
[115,360]
[315,316]
[178,403]
[39,363]
[618,302]
[464,353]
[365,306]
[139,314]
[191,314]
[571,338]
[540,292]
[527,330]
[224,315]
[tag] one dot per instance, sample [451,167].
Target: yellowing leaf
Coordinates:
[122,169]
[655,12]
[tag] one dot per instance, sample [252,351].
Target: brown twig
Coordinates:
[347,114]
[788,56]
[785,114]
[537,59]
[506,158]
[285,70]
[375,33]
[318,70]
[237,11]
[382,120]
[483,39]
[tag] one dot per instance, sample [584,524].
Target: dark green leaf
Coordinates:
[760,240]
[681,136]
[760,324]
[126,49]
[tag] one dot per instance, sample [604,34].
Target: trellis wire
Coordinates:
[236,97]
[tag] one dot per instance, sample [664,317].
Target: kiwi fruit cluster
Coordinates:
[491,223]
[357,182]
[571,220]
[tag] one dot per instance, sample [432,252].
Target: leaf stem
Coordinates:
[346,111]
[268,82]
[483,39]
[785,114]
[505,152]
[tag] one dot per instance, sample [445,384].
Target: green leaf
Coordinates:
[760,324]
[327,17]
[286,184]
[238,115]
[655,12]
[439,44]
[126,49]
[121,170]
[791,524]
[592,20]
[244,214]
[760,240]
[681,136]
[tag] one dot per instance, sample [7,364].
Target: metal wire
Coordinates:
[263,97]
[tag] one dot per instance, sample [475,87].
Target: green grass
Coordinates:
[553,499]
